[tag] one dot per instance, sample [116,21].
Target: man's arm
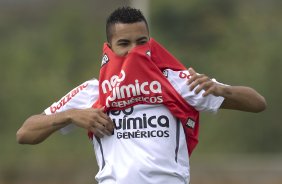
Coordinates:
[242,98]
[236,97]
[38,127]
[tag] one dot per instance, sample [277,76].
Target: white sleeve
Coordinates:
[81,97]
[179,79]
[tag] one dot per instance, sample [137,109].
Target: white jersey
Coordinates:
[148,144]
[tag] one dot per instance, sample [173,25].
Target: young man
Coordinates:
[138,139]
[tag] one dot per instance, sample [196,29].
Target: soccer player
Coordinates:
[142,114]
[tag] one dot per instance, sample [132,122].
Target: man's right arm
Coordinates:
[38,127]
[74,108]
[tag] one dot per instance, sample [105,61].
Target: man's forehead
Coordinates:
[122,30]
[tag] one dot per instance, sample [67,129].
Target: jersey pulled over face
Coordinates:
[127,36]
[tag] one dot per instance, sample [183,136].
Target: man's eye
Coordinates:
[123,44]
[142,42]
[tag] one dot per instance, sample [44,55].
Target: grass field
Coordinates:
[237,170]
[204,170]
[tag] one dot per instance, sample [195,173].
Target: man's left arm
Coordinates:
[236,97]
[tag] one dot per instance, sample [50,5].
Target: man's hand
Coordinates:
[201,82]
[38,127]
[94,120]
[235,97]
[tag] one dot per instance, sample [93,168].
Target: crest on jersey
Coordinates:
[148,53]
[105,60]
[190,123]
[165,72]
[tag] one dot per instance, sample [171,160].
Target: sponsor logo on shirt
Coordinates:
[67,98]
[123,95]
[147,126]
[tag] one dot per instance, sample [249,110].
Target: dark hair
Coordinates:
[125,15]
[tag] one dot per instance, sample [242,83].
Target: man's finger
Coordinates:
[105,120]
[191,71]
[105,126]
[193,76]
[96,132]
[105,116]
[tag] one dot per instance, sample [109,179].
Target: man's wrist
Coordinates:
[62,119]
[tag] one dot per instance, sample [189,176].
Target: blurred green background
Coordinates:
[47,47]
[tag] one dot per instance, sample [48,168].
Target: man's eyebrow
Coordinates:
[142,38]
[123,40]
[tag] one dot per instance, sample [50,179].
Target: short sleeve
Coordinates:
[81,97]
[179,79]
